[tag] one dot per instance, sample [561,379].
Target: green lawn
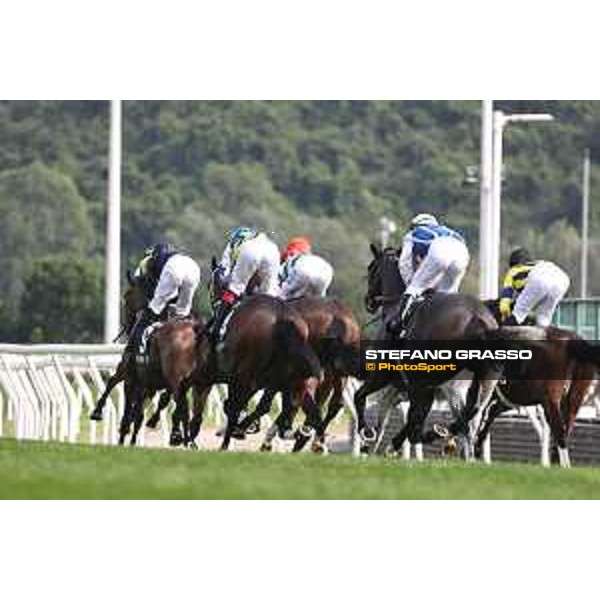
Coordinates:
[43,470]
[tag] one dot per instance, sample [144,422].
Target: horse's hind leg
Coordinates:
[163,402]
[236,400]
[200,397]
[321,395]
[491,411]
[129,410]
[360,401]
[262,408]
[138,418]
[112,382]
[552,411]
[306,399]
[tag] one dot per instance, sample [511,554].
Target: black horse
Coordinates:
[442,317]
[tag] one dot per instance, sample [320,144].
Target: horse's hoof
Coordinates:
[192,445]
[392,452]
[450,447]
[441,431]
[304,431]
[368,435]
[238,434]
[176,439]
[96,416]
[266,447]
[319,447]
[287,435]
[253,428]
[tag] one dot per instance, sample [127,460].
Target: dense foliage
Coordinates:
[326,169]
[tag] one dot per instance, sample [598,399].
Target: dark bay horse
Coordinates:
[171,360]
[443,317]
[265,346]
[334,334]
[558,378]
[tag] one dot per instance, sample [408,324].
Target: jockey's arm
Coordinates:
[226,263]
[291,285]
[405,263]
[507,294]
[143,268]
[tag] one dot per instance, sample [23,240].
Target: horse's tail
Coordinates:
[292,351]
[341,347]
[582,351]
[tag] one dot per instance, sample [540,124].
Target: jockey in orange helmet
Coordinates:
[302,272]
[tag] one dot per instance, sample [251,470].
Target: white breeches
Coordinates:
[546,286]
[258,255]
[179,278]
[442,269]
[311,275]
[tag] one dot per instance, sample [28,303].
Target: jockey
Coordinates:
[433,257]
[531,288]
[171,275]
[248,253]
[303,273]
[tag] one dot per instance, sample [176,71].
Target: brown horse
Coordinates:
[334,334]
[558,378]
[171,359]
[265,346]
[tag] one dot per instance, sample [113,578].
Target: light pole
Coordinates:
[486,287]
[388,227]
[585,203]
[112,294]
[500,121]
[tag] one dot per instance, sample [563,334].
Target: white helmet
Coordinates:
[424,219]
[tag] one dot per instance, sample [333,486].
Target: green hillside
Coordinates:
[326,169]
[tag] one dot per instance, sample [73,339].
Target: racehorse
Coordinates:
[439,317]
[334,334]
[171,359]
[265,345]
[558,378]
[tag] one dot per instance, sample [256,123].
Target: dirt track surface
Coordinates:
[337,440]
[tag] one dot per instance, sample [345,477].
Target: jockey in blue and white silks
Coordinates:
[434,257]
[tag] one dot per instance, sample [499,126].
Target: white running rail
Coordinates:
[47,392]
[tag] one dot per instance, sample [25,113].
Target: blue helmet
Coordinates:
[240,234]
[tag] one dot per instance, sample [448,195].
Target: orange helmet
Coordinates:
[298,245]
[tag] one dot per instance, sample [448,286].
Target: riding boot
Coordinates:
[511,321]
[146,318]
[397,324]
[221,313]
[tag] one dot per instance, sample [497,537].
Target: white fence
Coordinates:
[47,392]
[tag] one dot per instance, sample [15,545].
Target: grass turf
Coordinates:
[51,470]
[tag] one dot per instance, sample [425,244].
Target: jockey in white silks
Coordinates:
[531,288]
[171,275]
[247,253]
[433,257]
[302,272]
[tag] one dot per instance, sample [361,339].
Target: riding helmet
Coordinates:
[424,219]
[519,256]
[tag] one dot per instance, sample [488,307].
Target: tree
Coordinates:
[62,301]
[42,215]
